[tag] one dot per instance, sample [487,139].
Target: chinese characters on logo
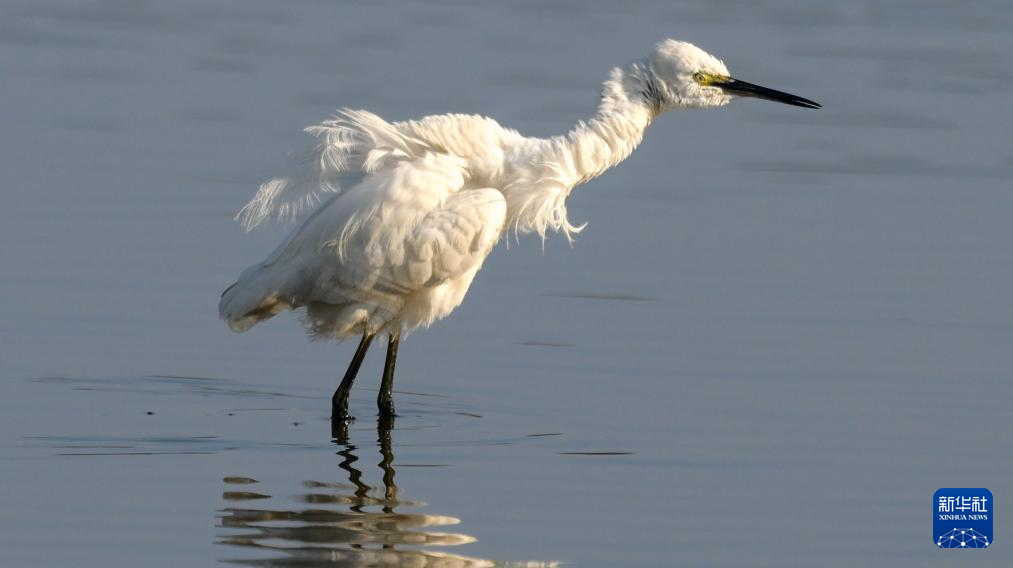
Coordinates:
[974,504]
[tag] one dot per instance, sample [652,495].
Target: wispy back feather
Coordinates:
[352,141]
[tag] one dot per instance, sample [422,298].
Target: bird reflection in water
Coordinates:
[352,524]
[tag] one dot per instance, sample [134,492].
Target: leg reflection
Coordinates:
[344,523]
[383,429]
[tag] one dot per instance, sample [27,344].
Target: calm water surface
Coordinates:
[782,331]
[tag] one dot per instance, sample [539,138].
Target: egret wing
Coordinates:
[452,240]
[408,227]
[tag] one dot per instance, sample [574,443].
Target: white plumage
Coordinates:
[399,248]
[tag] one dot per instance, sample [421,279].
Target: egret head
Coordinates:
[685,76]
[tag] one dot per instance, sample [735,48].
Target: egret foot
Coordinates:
[339,429]
[386,406]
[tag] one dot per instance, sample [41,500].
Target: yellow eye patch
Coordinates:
[706,79]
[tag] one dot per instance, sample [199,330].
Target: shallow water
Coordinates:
[782,331]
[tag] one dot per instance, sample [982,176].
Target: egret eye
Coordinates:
[701,78]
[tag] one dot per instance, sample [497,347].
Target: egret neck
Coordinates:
[536,198]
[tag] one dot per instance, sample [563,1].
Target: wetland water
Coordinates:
[780,333]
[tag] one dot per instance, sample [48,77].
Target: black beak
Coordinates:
[744,89]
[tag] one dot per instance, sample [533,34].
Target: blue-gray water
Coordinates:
[781,332]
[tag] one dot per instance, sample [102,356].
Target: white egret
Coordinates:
[399,249]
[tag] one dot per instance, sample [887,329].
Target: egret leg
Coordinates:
[339,403]
[385,400]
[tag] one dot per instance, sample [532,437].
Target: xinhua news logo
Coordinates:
[962,518]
